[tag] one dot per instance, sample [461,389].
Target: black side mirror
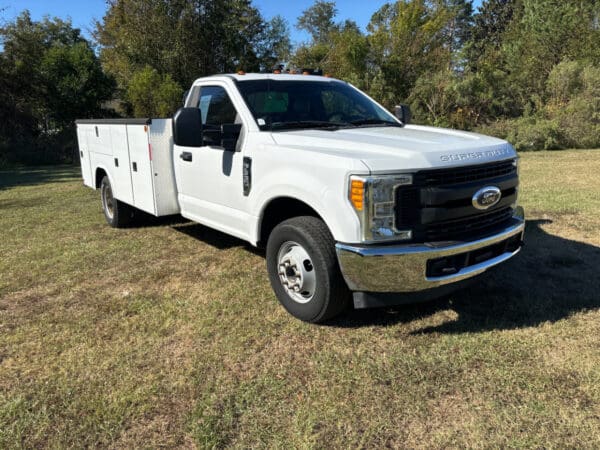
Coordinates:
[402,112]
[230,132]
[187,127]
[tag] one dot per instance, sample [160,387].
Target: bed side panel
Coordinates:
[165,188]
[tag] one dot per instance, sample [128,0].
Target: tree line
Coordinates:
[525,70]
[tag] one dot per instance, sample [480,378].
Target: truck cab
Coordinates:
[355,206]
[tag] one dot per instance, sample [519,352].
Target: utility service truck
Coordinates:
[354,205]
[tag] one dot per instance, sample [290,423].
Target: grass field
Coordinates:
[169,335]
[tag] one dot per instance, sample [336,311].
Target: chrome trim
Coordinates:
[402,268]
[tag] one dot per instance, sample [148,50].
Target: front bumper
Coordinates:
[413,268]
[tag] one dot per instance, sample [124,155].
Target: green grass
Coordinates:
[169,335]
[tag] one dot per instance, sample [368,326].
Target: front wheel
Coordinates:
[116,213]
[304,271]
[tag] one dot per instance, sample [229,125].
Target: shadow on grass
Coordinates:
[214,238]
[551,279]
[30,176]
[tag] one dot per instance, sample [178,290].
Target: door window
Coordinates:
[216,106]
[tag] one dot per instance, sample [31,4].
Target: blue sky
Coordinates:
[83,12]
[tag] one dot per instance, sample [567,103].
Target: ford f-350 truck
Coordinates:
[354,205]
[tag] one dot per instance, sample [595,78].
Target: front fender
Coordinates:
[325,195]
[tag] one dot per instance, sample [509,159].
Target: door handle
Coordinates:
[186,156]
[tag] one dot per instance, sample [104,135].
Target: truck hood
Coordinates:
[385,149]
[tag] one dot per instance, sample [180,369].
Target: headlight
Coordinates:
[373,199]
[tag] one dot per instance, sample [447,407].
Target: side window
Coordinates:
[216,106]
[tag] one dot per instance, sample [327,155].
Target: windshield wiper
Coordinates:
[308,124]
[377,122]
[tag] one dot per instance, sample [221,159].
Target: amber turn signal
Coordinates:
[357,194]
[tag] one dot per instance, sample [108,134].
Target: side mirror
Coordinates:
[187,127]
[230,132]
[402,112]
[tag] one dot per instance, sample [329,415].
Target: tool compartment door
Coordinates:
[141,168]
[120,164]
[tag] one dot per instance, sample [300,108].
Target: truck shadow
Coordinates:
[552,279]
[214,238]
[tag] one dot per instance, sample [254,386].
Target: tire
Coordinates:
[116,213]
[304,271]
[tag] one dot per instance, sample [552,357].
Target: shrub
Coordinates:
[564,82]
[528,133]
[153,95]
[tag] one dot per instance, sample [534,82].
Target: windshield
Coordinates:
[286,104]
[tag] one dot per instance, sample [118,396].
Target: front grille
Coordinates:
[437,207]
[468,226]
[407,206]
[464,174]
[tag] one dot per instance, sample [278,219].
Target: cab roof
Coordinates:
[270,76]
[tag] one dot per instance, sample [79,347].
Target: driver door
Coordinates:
[209,178]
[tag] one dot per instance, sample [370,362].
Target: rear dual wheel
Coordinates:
[304,271]
[116,213]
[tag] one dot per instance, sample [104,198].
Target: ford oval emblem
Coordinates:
[486,197]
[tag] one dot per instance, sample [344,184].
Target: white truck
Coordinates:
[353,204]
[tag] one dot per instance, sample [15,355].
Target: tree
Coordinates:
[52,77]
[275,46]
[406,40]
[460,22]
[348,55]
[153,95]
[544,34]
[187,39]
[74,85]
[489,25]
[318,20]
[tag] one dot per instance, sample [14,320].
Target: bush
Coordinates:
[570,118]
[564,82]
[153,95]
[528,133]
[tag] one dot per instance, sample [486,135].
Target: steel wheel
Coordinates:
[304,271]
[296,272]
[108,201]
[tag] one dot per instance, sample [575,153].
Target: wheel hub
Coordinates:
[296,272]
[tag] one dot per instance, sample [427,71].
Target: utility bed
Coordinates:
[136,155]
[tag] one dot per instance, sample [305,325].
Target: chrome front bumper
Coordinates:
[404,268]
